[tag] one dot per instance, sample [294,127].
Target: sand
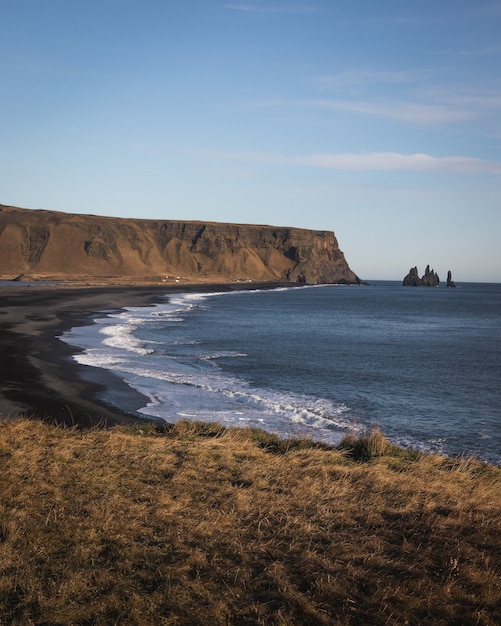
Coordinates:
[38,376]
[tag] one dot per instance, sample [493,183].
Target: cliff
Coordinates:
[61,246]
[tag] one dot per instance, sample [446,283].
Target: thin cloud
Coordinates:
[485,51]
[394,161]
[253,8]
[482,52]
[480,99]
[401,111]
[422,97]
[373,161]
[40,69]
[363,78]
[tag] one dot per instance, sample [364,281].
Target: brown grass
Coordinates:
[197,524]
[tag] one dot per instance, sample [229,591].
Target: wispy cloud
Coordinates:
[397,110]
[373,161]
[483,51]
[44,69]
[254,8]
[363,78]
[393,161]
[402,111]
[420,96]
[475,98]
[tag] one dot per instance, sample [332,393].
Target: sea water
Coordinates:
[423,364]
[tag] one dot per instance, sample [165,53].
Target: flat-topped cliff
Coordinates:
[53,245]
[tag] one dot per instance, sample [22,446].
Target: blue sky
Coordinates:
[378,120]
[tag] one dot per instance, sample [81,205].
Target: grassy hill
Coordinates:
[197,524]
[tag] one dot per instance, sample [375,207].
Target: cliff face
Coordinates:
[49,244]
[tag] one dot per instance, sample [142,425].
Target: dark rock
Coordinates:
[412,279]
[450,282]
[430,279]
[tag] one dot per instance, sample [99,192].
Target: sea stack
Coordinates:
[429,279]
[450,282]
[412,279]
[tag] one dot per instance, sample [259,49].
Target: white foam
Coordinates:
[122,336]
[119,328]
[98,358]
[221,355]
[192,385]
[225,399]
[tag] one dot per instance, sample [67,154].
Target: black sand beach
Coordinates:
[38,377]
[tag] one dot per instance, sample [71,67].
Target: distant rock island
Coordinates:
[450,282]
[429,279]
[50,245]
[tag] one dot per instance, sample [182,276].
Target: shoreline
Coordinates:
[39,378]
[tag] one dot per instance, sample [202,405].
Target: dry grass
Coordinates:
[196,524]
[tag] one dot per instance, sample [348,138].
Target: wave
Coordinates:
[231,402]
[191,384]
[122,336]
[221,355]
[191,359]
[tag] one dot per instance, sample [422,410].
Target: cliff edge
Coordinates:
[39,244]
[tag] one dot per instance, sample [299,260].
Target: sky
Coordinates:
[379,121]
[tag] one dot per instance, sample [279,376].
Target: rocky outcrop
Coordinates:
[429,279]
[62,246]
[450,282]
[412,279]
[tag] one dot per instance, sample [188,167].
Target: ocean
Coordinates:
[423,364]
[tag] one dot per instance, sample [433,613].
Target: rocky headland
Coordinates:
[50,245]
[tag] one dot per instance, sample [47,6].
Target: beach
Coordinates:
[38,376]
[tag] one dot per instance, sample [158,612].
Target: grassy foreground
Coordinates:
[197,524]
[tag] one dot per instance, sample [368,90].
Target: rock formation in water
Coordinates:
[429,279]
[412,279]
[61,246]
[450,282]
